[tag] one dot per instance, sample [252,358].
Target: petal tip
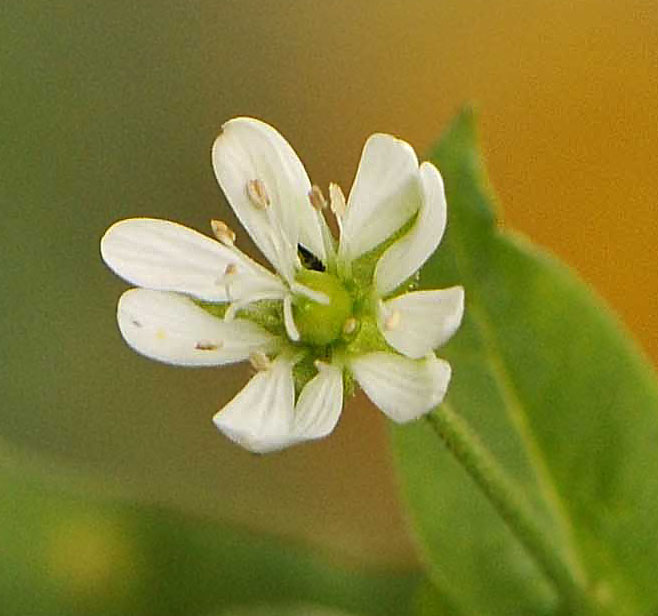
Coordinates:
[387,138]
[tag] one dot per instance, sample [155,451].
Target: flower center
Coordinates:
[320,324]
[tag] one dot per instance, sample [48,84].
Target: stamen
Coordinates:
[222,232]
[259,361]
[286,258]
[316,296]
[337,200]
[321,365]
[349,327]
[230,272]
[316,198]
[288,319]
[208,346]
[258,194]
[232,310]
[392,320]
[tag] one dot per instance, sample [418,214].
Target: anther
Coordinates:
[222,232]
[258,194]
[316,198]
[349,327]
[231,269]
[321,365]
[392,320]
[208,346]
[337,199]
[259,361]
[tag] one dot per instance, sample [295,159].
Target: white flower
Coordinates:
[329,315]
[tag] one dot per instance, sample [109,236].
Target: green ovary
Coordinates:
[321,324]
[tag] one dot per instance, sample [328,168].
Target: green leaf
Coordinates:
[561,396]
[430,601]
[67,552]
[295,610]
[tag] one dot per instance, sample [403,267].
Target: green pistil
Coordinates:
[321,324]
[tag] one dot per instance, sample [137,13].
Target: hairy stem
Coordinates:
[510,502]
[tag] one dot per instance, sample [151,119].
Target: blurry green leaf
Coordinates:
[71,554]
[561,396]
[431,601]
[296,610]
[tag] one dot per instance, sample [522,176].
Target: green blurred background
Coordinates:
[108,110]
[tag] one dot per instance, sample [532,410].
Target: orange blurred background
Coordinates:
[110,113]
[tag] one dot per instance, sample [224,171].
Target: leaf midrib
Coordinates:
[516,412]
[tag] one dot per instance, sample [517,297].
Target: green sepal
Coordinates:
[267,313]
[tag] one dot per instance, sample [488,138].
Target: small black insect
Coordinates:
[309,260]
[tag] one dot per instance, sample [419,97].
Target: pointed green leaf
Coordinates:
[558,392]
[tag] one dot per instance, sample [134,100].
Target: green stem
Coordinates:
[512,506]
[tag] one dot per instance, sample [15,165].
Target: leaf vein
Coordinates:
[517,414]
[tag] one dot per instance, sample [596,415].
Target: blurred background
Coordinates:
[108,111]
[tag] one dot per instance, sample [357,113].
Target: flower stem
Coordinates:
[513,507]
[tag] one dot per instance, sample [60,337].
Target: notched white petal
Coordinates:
[386,193]
[267,187]
[409,253]
[171,328]
[416,323]
[402,388]
[260,417]
[320,403]
[165,256]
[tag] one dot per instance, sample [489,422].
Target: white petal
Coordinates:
[260,417]
[416,323]
[409,253]
[386,193]
[173,329]
[402,388]
[163,255]
[248,150]
[319,404]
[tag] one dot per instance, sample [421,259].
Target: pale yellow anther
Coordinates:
[231,269]
[392,320]
[259,361]
[258,194]
[223,232]
[337,199]
[316,198]
[208,346]
[349,327]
